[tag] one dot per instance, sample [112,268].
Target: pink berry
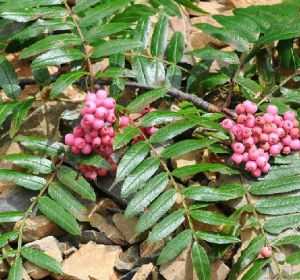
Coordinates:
[105,139]
[250,122]
[90,175]
[273,138]
[101,172]
[261,161]
[96,142]
[286,150]
[110,131]
[75,150]
[151,130]
[87,149]
[280,132]
[257,131]
[125,121]
[250,107]
[272,109]
[241,119]
[69,139]
[278,120]
[237,130]
[90,107]
[259,121]
[103,131]
[266,252]
[238,147]
[250,166]
[268,118]
[287,140]
[295,133]
[248,142]
[253,153]
[245,157]
[85,126]
[240,109]
[78,131]
[260,151]
[266,168]
[237,158]
[289,116]
[94,133]
[274,150]
[256,139]
[246,133]
[295,144]
[256,173]
[109,103]
[111,118]
[267,128]
[88,119]
[226,124]
[265,146]
[101,113]
[88,138]
[295,123]
[264,137]
[101,94]
[287,125]
[90,97]
[97,124]
[79,142]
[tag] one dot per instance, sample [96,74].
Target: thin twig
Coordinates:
[83,41]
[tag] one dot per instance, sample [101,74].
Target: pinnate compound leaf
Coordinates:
[11,216]
[41,259]
[71,179]
[16,270]
[175,47]
[145,99]
[280,185]
[67,200]
[248,255]
[64,81]
[20,112]
[140,176]
[57,57]
[131,159]
[125,137]
[159,117]
[166,226]
[147,194]
[175,247]
[25,180]
[114,47]
[211,218]
[255,272]
[58,215]
[203,167]
[6,108]
[200,261]
[31,162]
[171,130]
[41,145]
[9,79]
[278,224]
[50,43]
[185,146]
[293,239]
[279,205]
[210,194]
[5,238]
[156,210]
[217,237]
[160,36]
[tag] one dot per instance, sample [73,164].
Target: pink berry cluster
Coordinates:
[95,133]
[259,137]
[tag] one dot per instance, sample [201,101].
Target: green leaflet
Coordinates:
[20,112]
[115,46]
[143,69]
[159,117]
[278,224]
[248,255]
[5,238]
[175,247]
[185,146]
[41,259]
[203,167]
[16,270]
[159,37]
[279,205]
[209,194]
[6,108]
[169,6]
[217,237]
[175,47]
[171,130]
[131,159]
[293,239]
[10,216]
[83,5]
[173,77]
[214,54]
[25,180]
[142,32]
[66,199]
[15,4]
[211,218]
[282,171]
[147,194]
[249,87]
[280,185]
[41,145]
[255,272]
[156,210]
[64,81]
[57,57]
[58,215]
[71,179]
[293,259]
[145,99]
[200,261]
[125,137]
[190,5]
[31,162]
[140,176]
[9,79]
[167,226]
[91,160]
